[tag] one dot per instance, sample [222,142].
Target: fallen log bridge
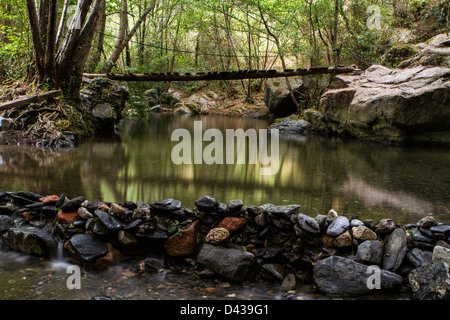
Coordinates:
[216,75]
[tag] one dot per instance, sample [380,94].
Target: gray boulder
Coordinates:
[340,277]
[370,251]
[338,226]
[391,105]
[233,264]
[395,250]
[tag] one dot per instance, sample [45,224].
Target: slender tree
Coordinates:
[124,38]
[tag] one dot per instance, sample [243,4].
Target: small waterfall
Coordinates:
[59,262]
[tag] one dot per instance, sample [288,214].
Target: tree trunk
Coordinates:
[98,39]
[122,41]
[64,68]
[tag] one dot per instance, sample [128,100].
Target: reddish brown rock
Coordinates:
[27,216]
[108,260]
[64,217]
[184,245]
[49,199]
[232,224]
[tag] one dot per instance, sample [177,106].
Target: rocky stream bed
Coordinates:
[221,245]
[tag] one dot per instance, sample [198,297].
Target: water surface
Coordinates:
[372,181]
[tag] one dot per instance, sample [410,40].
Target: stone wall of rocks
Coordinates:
[340,255]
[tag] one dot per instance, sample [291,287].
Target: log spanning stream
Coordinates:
[370,181]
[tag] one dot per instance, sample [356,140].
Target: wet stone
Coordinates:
[166,205]
[72,205]
[441,230]
[206,203]
[111,223]
[88,247]
[133,225]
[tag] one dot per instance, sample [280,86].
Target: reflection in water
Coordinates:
[354,178]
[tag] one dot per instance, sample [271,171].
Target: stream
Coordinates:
[371,181]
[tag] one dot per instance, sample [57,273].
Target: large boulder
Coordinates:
[341,277]
[431,282]
[30,240]
[395,250]
[233,264]
[391,105]
[277,96]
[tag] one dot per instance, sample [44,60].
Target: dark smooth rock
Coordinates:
[5,223]
[430,282]
[395,250]
[338,226]
[370,251]
[29,195]
[111,223]
[72,205]
[133,225]
[441,230]
[419,236]
[49,211]
[20,200]
[88,247]
[340,277]
[61,201]
[369,223]
[166,205]
[233,264]
[419,258]
[267,254]
[206,203]
[34,205]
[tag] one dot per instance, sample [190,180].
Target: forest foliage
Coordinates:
[219,35]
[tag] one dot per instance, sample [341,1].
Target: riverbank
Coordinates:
[234,243]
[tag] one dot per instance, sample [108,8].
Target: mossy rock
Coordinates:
[394,56]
